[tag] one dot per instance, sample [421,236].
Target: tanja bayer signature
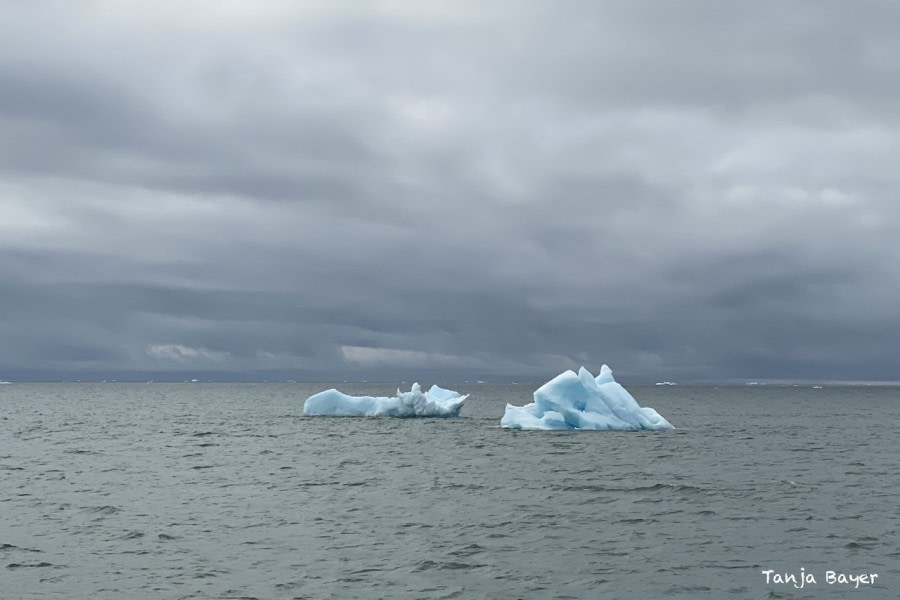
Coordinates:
[804,578]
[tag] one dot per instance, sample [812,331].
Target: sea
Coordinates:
[212,491]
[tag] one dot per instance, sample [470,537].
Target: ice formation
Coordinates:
[436,402]
[571,401]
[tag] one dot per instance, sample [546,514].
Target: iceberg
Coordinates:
[581,401]
[436,402]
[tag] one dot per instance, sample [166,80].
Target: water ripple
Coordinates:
[224,491]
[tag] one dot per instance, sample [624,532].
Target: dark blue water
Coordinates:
[224,491]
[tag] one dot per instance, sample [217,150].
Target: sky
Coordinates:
[449,190]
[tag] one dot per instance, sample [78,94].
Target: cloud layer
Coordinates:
[328,190]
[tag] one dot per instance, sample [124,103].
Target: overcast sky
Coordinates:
[690,191]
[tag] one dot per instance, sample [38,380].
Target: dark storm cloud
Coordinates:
[403,189]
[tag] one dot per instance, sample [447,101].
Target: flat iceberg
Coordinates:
[570,401]
[436,402]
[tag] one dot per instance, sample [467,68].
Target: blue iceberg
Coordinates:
[436,402]
[571,401]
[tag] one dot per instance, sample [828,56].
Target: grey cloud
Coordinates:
[686,192]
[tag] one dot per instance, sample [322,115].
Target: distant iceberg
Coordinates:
[436,402]
[571,401]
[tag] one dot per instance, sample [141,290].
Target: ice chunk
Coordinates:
[581,401]
[436,402]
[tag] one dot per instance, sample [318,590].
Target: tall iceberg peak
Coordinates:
[436,402]
[581,401]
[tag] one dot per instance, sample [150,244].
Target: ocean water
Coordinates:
[157,491]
